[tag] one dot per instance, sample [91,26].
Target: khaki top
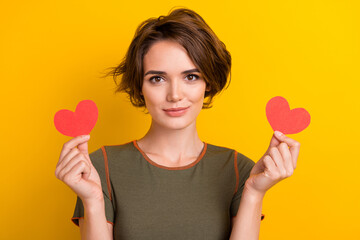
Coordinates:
[145,200]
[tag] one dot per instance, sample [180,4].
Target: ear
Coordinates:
[208,88]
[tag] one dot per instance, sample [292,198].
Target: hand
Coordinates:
[278,163]
[76,170]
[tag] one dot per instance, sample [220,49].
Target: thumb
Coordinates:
[274,142]
[83,147]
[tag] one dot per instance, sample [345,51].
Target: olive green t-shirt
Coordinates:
[144,200]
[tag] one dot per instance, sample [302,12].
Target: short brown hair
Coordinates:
[187,28]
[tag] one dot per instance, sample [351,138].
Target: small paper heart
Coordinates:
[283,119]
[80,122]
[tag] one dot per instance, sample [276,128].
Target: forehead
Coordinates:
[167,56]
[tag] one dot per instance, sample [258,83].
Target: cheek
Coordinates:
[152,97]
[197,94]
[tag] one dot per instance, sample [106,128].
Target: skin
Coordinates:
[174,142]
[278,162]
[75,169]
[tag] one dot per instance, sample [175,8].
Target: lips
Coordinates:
[176,112]
[175,109]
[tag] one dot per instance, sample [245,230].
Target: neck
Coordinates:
[173,144]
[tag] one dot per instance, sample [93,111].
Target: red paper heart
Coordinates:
[80,122]
[283,119]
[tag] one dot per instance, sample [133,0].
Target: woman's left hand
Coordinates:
[278,163]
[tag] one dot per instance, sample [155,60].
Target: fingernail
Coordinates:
[86,136]
[279,134]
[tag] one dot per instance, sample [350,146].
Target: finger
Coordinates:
[83,147]
[74,175]
[67,157]
[294,145]
[78,158]
[286,156]
[274,142]
[72,143]
[271,170]
[277,158]
[62,162]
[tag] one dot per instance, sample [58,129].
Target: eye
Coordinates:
[154,79]
[193,77]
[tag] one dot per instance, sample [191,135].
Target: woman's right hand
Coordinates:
[76,170]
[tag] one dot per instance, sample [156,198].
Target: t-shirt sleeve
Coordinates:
[244,166]
[97,159]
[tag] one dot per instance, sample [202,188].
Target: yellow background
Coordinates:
[52,54]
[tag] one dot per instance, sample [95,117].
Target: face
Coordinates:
[171,80]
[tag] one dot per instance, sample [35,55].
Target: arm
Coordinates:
[76,170]
[94,225]
[278,163]
[246,223]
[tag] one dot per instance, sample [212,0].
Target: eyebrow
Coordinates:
[161,72]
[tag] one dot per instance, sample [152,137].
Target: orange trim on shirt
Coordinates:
[116,145]
[72,219]
[171,168]
[107,171]
[236,172]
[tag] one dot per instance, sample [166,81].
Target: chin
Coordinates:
[175,124]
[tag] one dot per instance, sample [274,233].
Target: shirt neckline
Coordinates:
[203,151]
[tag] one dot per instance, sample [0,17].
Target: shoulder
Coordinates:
[241,159]
[102,154]
[119,151]
[218,150]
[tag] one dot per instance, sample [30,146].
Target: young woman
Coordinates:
[170,184]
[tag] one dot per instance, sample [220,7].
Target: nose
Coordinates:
[175,91]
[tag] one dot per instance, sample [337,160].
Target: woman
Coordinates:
[170,184]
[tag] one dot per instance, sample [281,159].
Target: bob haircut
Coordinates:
[187,28]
